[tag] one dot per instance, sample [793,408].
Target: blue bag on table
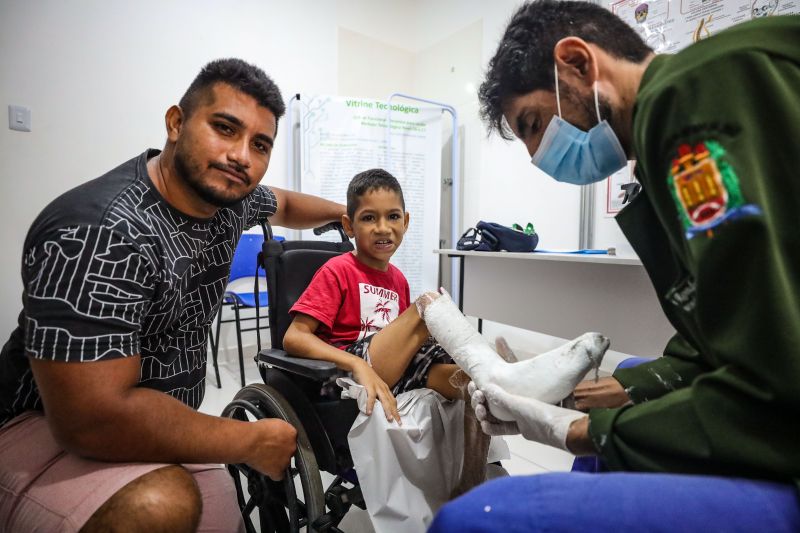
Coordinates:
[493,237]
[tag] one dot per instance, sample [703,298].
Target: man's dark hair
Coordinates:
[524,59]
[240,75]
[370,180]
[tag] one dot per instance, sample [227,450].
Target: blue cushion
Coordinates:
[248,299]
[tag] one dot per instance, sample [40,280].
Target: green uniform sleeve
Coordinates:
[676,369]
[732,100]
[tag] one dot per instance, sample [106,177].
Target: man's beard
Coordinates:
[190,174]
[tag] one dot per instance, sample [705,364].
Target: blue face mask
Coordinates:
[575,156]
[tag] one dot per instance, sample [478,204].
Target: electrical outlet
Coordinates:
[19,118]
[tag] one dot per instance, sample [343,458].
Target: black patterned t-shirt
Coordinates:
[111,270]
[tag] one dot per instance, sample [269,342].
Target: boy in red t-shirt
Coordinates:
[356,310]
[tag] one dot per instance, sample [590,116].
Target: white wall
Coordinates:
[512,189]
[449,71]
[370,68]
[500,184]
[452,41]
[98,76]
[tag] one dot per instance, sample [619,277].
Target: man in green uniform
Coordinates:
[716,419]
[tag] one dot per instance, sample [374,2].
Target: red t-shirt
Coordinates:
[352,300]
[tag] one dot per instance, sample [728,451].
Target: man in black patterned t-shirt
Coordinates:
[123,276]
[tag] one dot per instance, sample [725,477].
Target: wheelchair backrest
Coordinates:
[289,266]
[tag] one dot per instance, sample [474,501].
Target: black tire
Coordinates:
[273,499]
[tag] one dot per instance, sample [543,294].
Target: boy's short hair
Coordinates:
[370,180]
[240,75]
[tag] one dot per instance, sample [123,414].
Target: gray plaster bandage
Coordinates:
[549,377]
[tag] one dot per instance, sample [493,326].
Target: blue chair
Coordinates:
[622,501]
[244,264]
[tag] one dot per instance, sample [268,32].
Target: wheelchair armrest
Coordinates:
[309,368]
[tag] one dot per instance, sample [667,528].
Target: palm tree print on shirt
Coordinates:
[379,306]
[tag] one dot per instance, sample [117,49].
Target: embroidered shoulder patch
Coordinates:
[706,189]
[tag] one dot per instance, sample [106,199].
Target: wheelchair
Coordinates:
[293,391]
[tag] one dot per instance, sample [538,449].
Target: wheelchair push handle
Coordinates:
[331,226]
[266,227]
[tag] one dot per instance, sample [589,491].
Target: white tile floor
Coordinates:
[526,457]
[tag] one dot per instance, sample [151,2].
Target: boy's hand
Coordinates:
[376,388]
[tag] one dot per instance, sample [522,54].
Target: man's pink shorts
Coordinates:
[44,488]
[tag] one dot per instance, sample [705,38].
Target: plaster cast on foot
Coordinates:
[549,377]
[535,420]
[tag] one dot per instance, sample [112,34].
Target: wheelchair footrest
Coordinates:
[309,368]
[338,499]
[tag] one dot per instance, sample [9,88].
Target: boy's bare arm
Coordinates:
[97,410]
[300,340]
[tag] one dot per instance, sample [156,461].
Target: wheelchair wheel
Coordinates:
[280,505]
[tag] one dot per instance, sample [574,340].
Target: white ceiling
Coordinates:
[412,25]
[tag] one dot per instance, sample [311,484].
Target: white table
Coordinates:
[565,295]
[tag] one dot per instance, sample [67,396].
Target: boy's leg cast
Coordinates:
[549,377]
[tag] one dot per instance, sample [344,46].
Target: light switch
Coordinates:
[19,118]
